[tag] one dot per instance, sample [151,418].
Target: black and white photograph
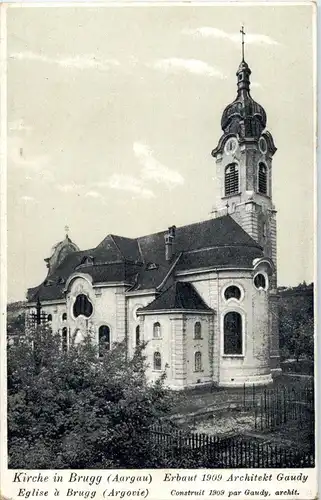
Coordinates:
[160,207]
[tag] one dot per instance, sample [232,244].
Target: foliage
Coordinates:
[297,322]
[15,318]
[76,410]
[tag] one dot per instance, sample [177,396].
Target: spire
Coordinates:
[243,72]
[243,35]
[243,116]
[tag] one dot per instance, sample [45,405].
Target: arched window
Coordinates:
[232,292]
[262,179]
[231,179]
[157,361]
[64,317]
[82,306]
[103,340]
[157,330]
[64,339]
[49,317]
[260,281]
[233,333]
[198,361]
[137,335]
[197,330]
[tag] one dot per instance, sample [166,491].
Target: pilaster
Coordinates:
[121,317]
[178,334]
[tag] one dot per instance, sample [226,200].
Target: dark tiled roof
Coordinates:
[141,262]
[232,256]
[179,296]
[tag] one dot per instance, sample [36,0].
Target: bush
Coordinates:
[75,410]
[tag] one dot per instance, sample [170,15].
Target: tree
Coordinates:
[78,410]
[301,344]
[297,322]
[15,319]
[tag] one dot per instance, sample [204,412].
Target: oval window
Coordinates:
[260,281]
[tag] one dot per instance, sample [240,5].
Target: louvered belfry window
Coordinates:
[231,179]
[262,179]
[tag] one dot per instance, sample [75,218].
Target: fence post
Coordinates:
[244,396]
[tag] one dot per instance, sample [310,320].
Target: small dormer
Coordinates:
[87,260]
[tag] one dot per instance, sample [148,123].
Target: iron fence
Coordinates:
[228,452]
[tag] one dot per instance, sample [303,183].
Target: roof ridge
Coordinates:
[186,225]
[119,250]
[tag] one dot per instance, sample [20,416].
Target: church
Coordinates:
[202,296]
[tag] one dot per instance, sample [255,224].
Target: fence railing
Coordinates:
[278,407]
[281,408]
[228,452]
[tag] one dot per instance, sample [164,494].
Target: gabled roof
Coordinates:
[179,297]
[141,262]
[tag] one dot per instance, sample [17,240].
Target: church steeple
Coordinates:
[243,158]
[244,163]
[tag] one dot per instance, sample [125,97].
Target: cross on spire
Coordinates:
[67,231]
[227,207]
[243,35]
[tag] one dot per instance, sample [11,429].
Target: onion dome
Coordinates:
[244,116]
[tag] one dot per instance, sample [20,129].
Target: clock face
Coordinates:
[231,146]
[262,145]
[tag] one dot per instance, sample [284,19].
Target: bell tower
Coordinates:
[243,159]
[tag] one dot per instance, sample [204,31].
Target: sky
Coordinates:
[113,113]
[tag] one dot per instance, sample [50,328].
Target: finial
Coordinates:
[243,34]
[67,231]
[227,207]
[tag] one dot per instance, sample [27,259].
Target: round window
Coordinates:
[232,292]
[260,281]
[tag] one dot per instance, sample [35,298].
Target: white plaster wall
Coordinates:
[107,310]
[253,366]
[193,345]
[135,302]
[164,345]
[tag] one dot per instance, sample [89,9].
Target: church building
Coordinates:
[203,296]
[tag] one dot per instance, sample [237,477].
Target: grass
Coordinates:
[202,398]
[222,412]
